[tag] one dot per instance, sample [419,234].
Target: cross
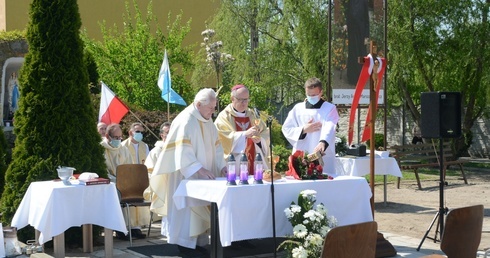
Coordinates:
[373,81]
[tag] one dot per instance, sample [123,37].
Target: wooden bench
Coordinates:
[426,155]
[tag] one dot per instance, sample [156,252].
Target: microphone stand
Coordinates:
[269,124]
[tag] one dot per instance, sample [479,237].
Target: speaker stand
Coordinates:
[442,211]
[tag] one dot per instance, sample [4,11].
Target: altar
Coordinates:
[245,211]
[52,207]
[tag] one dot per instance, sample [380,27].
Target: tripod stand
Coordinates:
[442,210]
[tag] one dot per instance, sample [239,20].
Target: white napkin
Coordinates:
[87,176]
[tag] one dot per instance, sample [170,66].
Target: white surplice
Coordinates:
[299,116]
[192,143]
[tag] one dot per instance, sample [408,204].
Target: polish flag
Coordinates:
[112,109]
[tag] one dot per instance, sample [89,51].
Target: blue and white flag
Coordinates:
[165,84]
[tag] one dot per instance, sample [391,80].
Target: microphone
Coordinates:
[269,121]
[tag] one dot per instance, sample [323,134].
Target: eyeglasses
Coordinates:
[241,100]
[116,137]
[139,132]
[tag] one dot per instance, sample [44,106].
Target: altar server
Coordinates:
[310,126]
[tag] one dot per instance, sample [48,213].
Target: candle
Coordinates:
[231,176]
[259,174]
[244,175]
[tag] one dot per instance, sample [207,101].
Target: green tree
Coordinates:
[55,122]
[129,61]
[441,49]
[277,46]
[4,158]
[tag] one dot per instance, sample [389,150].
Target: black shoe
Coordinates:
[122,236]
[137,233]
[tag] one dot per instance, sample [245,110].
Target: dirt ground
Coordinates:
[409,211]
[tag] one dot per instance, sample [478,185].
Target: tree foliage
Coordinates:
[276,45]
[55,122]
[128,61]
[441,49]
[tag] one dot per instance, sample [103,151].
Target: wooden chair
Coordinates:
[131,182]
[356,240]
[462,233]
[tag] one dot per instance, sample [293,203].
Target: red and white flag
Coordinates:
[112,109]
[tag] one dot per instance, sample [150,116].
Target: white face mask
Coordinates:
[115,143]
[138,137]
[313,99]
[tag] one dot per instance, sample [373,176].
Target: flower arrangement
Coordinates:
[305,167]
[310,226]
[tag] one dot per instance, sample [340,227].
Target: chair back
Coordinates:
[356,240]
[131,182]
[462,232]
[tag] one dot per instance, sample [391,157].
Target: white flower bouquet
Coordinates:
[310,226]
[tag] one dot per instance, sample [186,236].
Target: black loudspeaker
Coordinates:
[440,114]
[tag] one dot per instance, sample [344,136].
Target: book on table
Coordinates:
[94,181]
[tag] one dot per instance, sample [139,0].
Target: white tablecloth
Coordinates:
[245,212]
[52,207]
[360,166]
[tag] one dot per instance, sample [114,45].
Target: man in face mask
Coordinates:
[138,149]
[310,126]
[114,153]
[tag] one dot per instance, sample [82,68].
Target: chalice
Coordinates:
[275,160]
[256,123]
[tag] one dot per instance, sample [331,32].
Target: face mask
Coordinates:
[313,99]
[115,143]
[138,137]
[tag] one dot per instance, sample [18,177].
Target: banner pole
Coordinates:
[147,129]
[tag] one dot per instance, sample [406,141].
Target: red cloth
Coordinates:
[293,166]
[250,148]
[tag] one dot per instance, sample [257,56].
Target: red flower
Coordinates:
[319,168]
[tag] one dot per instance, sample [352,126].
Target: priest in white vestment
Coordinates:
[310,126]
[192,151]
[242,131]
[114,153]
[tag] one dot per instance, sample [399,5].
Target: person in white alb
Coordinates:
[192,151]
[138,149]
[310,126]
[151,159]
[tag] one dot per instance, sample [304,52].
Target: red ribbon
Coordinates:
[367,126]
[363,78]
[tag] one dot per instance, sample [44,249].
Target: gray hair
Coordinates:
[165,124]
[204,96]
[237,87]
[133,125]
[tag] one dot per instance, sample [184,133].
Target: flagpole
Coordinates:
[147,129]
[168,107]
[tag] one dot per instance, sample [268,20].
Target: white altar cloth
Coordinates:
[360,166]
[245,211]
[52,207]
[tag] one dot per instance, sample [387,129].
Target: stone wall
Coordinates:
[398,126]
[15,48]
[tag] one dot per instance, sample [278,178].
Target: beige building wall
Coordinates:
[14,14]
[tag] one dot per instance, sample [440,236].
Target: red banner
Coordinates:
[366,71]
